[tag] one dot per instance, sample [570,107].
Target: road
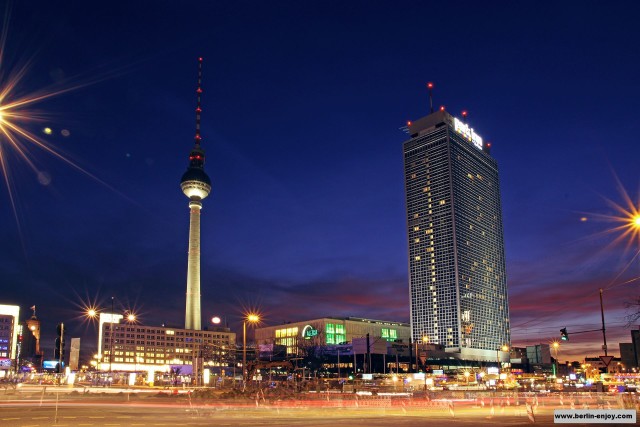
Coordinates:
[107,412]
[35,407]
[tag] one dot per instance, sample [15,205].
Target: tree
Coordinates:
[634,307]
[312,351]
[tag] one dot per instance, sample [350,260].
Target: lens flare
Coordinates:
[625,226]
[626,218]
[17,117]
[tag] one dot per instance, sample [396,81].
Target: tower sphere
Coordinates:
[195,182]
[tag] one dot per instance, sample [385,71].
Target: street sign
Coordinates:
[606,360]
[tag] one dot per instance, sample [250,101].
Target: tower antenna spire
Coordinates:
[198,106]
[430,87]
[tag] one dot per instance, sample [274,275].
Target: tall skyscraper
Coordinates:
[196,185]
[457,277]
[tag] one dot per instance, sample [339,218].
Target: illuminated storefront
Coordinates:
[330,331]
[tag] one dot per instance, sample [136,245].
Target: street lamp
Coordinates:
[249,318]
[102,317]
[111,337]
[92,313]
[555,345]
[131,317]
[504,348]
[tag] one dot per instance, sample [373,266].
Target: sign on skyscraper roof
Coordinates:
[466,131]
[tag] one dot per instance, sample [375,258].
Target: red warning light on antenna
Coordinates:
[200,59]
[464,113]
[442,108]
[430,85]
[408,122]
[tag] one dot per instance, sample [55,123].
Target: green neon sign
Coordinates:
[308,332]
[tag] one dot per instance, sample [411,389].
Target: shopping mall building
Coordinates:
[332,332]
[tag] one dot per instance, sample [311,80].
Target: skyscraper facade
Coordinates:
[457,277]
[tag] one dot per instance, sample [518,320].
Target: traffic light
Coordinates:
[564,335]
[58,352]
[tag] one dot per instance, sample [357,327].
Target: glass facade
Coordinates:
[457,277]
[288,337]
[335,334]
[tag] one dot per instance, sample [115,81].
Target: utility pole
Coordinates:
[604,336]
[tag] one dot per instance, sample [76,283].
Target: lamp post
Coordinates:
[250,318]
[504,348]
[111,336]
[92,314]
[98,314]
[555,345]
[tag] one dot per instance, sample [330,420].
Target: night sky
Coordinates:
[302,107]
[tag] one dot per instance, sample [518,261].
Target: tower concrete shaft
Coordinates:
[196,185]
[193,317]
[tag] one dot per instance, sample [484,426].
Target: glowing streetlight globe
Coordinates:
[215,320]
[636,221]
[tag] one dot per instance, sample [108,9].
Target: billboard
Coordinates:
[51,364]
[5,363]
[74,354]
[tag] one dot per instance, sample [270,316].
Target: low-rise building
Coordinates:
[332,331]
[132,347]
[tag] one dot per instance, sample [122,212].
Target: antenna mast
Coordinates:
[198,108]
[430,87]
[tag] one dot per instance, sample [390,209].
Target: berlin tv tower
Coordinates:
[196,185]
